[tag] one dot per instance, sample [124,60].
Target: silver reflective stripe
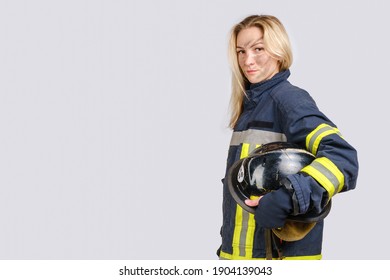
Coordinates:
[313,140]
[256,137]
[328,174]
[315,136]
[244,230]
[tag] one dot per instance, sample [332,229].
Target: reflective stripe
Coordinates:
[245,225]
[243,236]
[237,233]
[227,256]
[327,174]
[250,236]
[315,137]
[245,150]
[253,136]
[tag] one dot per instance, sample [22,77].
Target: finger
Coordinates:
[252,202]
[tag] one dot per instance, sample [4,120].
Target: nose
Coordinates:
[249,59]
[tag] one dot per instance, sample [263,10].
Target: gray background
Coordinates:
[113,118]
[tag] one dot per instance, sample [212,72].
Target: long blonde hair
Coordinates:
[276,43]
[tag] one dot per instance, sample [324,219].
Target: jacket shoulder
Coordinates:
[289,97]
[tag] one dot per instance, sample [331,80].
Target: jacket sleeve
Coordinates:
[335,168]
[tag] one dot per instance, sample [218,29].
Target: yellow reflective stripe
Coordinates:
[244,150]
[245,224]
[238,225]
[315,137]
[227,256]
[327,174]
[250,235]
[237,231]
[335,171]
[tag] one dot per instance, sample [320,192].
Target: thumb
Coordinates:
[253,202]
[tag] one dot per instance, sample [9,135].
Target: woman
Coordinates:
[266,108]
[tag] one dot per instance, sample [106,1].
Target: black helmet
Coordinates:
[263,171]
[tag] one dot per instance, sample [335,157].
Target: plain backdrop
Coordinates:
[114,114]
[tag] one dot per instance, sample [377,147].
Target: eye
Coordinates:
[240,52]
[259,49]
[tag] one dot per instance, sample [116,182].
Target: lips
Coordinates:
[249,72]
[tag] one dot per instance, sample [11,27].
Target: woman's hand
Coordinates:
[253,202]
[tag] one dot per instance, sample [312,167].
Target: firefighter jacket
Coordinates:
[275,110]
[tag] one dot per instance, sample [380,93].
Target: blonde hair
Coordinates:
[276,44]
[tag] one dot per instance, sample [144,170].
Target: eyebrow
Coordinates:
[254,44]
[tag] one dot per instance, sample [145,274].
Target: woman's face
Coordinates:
[256,64]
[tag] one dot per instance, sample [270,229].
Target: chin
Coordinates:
[255,81]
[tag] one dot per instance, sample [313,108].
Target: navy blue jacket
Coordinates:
[275,110]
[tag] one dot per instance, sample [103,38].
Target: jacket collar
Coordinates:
[254,91]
